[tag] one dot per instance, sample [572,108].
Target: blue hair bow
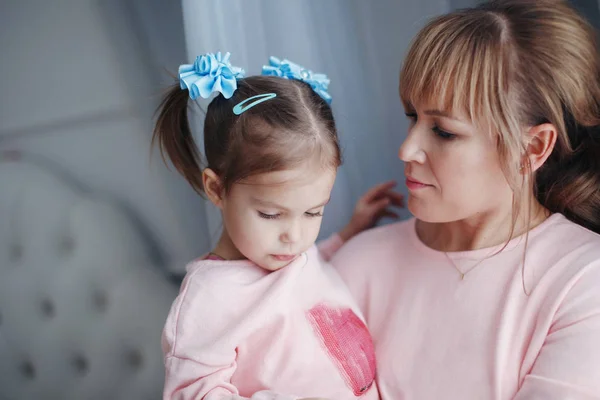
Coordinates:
[290,70]
[210,73]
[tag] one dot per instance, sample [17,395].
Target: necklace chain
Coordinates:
[462,274]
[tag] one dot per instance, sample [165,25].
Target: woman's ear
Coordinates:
[212,187]
[541,141]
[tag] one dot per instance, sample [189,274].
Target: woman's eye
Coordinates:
[411,116]
[443,134]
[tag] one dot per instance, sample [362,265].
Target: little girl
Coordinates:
[263,315]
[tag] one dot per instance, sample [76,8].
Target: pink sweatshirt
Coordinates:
[238,331]
[439,337]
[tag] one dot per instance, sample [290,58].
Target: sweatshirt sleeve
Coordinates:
[199,341]
[568,365]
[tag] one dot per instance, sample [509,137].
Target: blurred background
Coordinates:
[95,230]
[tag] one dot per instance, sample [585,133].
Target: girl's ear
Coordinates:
[212,187]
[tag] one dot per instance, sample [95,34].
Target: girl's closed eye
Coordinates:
[275,216]
[268,216]
[314,214]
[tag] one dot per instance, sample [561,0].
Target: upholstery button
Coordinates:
[80,364]
[27,369]
[15,253]
[134,358]
[100,300]
[66,246]
[47,308]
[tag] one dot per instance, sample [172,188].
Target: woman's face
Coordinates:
[453,171]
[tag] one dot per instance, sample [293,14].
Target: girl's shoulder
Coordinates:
[222,273]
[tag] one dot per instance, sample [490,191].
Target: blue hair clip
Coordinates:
[259,98]
[208,74]
[289,70]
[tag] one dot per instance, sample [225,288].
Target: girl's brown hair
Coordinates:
[278,134]
[510,64]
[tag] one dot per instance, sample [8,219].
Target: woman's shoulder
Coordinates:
[565,261]
[564,254]
[562,237]
[379,247]
[382,236]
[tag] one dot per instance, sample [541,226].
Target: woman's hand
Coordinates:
[371,207]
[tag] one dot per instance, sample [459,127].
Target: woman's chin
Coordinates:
[427,212]
[420,210]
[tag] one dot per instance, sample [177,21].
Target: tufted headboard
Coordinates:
[82,303]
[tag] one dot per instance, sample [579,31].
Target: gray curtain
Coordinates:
[359,46]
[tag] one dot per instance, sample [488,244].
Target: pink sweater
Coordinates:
[237,331]
[439,337]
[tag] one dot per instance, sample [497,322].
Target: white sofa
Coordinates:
[82,302]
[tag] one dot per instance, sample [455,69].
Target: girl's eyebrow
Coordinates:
[278,206]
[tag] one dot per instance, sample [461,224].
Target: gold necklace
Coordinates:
[529,227]
[462,274]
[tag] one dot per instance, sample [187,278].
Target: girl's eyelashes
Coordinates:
[316,214]
[268,216]
[275,216]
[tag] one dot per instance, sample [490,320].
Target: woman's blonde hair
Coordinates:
[509,64]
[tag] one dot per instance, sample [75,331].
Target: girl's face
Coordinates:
[453,171]
[274,217]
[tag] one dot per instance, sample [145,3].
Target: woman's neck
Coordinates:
[481,230]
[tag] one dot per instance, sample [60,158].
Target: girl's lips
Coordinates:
[283,257]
